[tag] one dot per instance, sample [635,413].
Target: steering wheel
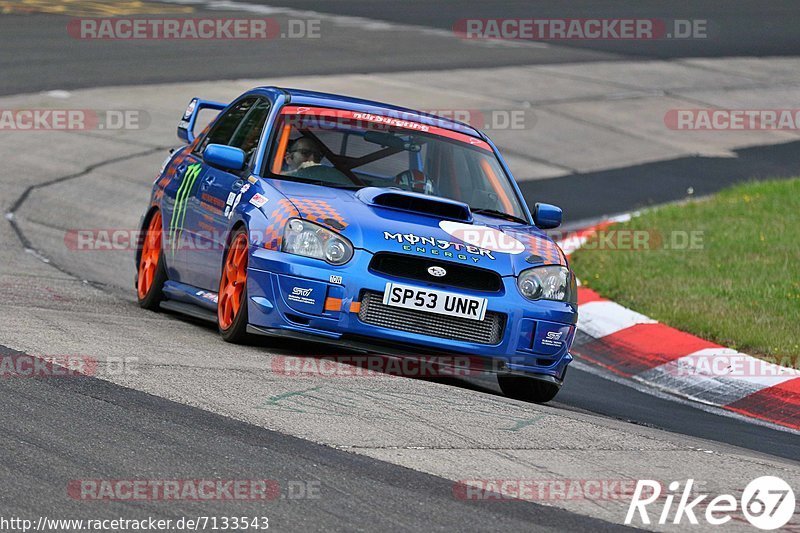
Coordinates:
[416,181]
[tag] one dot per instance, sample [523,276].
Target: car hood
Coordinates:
[482,241]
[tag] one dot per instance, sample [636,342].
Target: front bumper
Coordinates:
[307,298]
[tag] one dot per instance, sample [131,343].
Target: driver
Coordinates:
[302,153]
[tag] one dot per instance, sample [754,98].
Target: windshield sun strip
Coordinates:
[362,117]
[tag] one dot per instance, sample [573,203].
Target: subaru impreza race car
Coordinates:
[339,220]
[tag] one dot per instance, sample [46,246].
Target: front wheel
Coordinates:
[527,389]
[232,301]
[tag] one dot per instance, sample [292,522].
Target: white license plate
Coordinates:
[434,301]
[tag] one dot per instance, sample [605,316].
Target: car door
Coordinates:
[219,191]
[176,198]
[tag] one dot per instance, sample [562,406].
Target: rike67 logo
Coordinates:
[767,502]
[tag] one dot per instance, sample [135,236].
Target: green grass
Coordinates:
[740,289]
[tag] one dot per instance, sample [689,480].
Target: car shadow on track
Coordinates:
[465,372]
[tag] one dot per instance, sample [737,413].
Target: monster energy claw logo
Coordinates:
[179,213]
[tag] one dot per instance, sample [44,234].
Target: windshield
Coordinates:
[348,149]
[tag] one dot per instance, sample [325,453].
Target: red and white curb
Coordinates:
[639,348]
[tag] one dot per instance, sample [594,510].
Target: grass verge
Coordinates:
[725,268]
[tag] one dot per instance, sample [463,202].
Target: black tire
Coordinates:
[155,293]
[237,331]
[527,389]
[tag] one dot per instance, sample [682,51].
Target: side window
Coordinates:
[248,132]
[226,125]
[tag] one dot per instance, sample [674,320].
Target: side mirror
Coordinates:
[224,157]
[546,216]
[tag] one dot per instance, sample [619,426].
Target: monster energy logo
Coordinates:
[179,213]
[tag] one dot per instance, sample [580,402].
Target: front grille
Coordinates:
[458,276]
[486,331]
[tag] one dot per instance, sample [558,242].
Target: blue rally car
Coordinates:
[333,219]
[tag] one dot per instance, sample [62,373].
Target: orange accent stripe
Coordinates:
[355,307]
[333,304]
[277,163]
[487,168]
[452,166]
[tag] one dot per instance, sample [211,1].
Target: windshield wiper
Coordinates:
[500,214]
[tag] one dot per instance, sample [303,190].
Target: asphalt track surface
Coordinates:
[37,57]
[610,398]
[622,190]
[40,56]
[748,28]
[48,423]
[54,417]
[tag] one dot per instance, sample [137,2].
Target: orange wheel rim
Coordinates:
[148,262]
[232,282]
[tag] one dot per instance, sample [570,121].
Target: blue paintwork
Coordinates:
[224,157]
[273,275]
[547,216]
[372,196]
[191,295]
[187,123]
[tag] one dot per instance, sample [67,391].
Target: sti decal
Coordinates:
[179,213]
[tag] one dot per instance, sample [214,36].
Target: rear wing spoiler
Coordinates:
[186,125]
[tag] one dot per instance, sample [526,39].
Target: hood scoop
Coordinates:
[414,202]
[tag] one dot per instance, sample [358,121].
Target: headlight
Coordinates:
[302,237]
[548,283]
